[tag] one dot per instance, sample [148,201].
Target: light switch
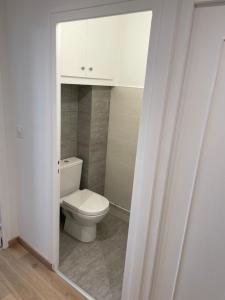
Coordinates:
[20,132]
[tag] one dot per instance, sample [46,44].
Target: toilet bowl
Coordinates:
[83,209]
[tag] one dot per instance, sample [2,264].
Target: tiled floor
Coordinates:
[97,267]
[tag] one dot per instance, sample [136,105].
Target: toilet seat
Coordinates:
[86,202]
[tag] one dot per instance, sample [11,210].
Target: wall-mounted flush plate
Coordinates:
[19,132]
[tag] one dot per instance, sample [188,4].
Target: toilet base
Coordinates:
[80,232]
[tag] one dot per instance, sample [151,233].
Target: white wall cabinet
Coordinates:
[73,49]
[88,50]
[105,51]
[102,53]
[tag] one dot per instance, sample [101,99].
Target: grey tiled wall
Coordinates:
[84,129]
[93,121]
[99,137]
[84,133]
[69,120]
[125,108]
[89,133]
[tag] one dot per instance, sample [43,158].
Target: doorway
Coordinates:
[101,72]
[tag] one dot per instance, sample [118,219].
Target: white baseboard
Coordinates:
[119,212]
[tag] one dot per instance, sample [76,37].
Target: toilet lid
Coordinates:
[86,202]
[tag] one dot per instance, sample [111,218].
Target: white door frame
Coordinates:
[4,192]
[148,193]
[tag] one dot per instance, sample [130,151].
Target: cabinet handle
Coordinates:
[90,69]
[82,68]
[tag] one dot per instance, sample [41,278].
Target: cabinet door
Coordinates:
[73,37]
[102,48]
[135,32]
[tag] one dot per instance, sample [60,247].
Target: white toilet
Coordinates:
[83,209]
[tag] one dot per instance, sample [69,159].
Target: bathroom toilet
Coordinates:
[83,209]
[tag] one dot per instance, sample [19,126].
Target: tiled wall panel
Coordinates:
[93,120]
[125,106]
[69,120]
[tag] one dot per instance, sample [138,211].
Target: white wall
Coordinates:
[30,69]
[29,52]
[125,108]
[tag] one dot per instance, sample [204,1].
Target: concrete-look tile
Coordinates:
[99,121]
[118,194]
[101,99]
[120,169]
[84,181]
[70,142]
[126,100]
[97,267]
[71,116]
[84,127]
[83,137]
[69,120]
[97,152]
[66,91]
[85,167]
[68,148]
[98,188]
[119,182]
[85,99]
[118,144]
[101,105]
[69,127]
[83,152]
[69,106]
[69,97]
[75,90]
[84,120]
[99,117]
[125,107]
[84,175]
[99,136]
[125,151]
[99,131]
[101,91]
[96,173]
[124,129]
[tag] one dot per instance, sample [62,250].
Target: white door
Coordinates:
[73,37]
[102,47]
[193,242]
[202,273]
